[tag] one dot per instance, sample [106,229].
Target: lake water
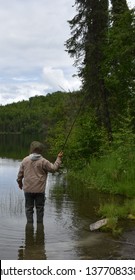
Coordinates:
[65,233]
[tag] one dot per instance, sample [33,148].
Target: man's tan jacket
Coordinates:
[33,171]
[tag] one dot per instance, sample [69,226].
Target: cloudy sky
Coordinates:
[33,60]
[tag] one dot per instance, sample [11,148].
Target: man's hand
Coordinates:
[20,184]
[60,154]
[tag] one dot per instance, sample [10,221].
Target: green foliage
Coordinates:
[118,67]
[33,116]
[115,212]
[85,141]
[112,168]
[103,46]
[113,173]
[88,35]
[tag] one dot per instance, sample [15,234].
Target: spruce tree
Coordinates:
[88,30]
[119,63]
[119,7]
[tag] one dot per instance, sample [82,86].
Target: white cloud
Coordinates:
[131,3]
[14,93]
[32,53]
[55,79]
[33,33]
[32,36]
[22,88]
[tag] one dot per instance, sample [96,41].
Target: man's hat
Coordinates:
[36,147]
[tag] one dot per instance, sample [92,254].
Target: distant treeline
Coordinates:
[50,115]
[37,114]
[53,115]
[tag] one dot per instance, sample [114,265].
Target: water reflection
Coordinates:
[68,214]
[34,247]
[16,146]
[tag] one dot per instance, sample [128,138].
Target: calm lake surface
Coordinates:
[66,233]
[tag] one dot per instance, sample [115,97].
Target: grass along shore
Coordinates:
[113,173]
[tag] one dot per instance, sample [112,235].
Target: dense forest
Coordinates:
[36,115]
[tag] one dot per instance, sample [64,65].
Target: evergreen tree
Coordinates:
[88,30]
[119,63]
[119,7]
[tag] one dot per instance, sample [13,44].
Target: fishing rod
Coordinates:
[70,95]
[78,112]
[70,130]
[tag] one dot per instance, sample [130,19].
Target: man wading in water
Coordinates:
[32,178]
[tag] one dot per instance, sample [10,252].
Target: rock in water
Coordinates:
[98,224]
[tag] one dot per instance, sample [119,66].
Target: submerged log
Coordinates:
[98,224]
